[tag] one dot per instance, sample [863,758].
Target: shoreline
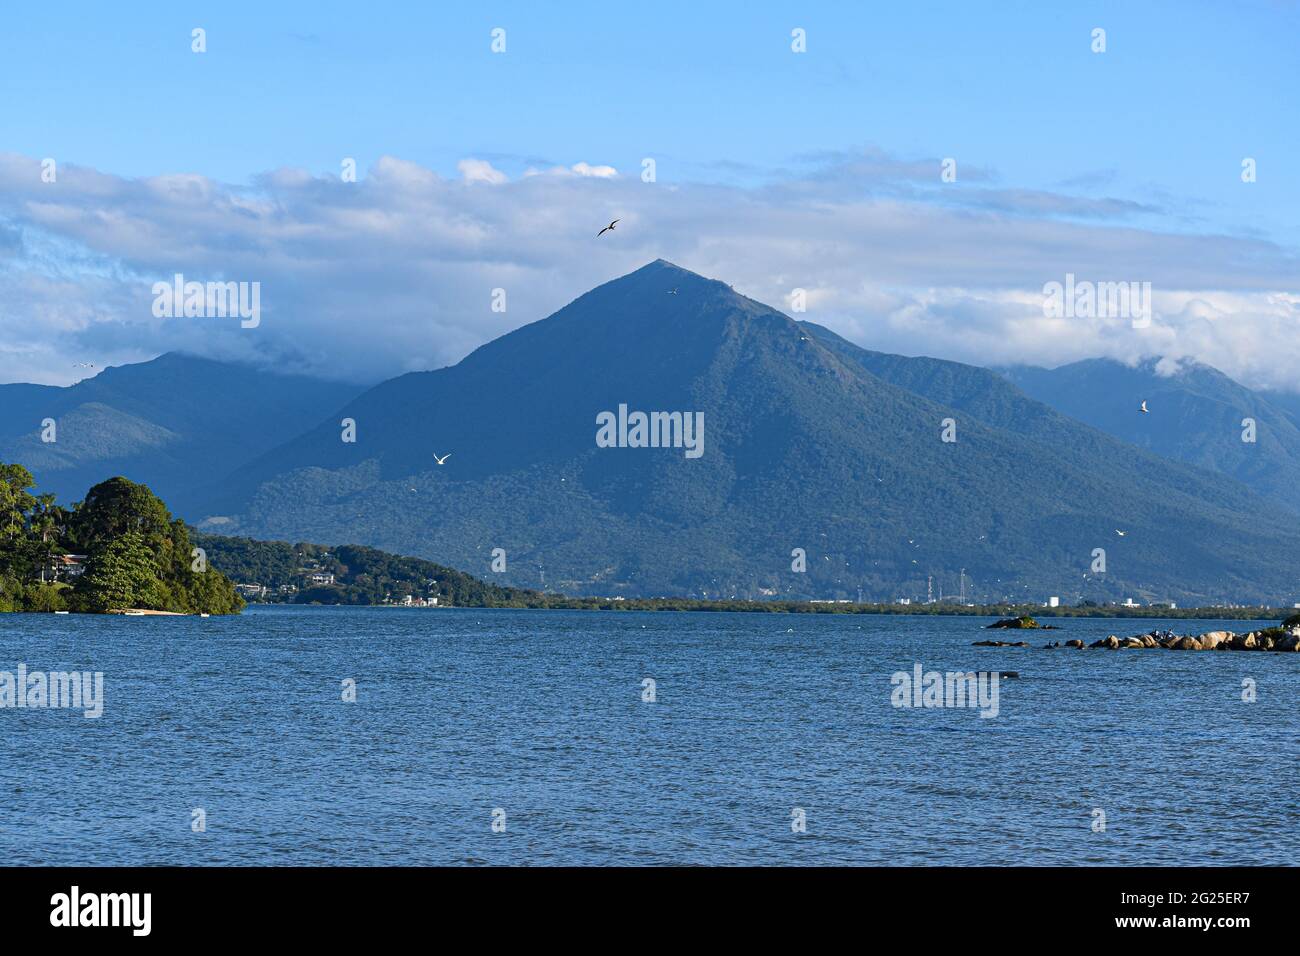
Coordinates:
[901,610]
[1117,612]
[143,612]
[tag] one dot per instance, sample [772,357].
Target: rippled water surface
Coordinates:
[539,713]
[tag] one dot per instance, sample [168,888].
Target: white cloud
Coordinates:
[601,172]
[577,169]
[395,271]
[480,171]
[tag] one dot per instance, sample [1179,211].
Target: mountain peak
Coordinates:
[664,271]
[662,263]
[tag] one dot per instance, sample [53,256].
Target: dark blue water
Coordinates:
[460,712]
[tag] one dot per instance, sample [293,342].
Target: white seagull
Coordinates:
[1144,408]
[443,459]
[606,229]
[670,291]
[1120,533]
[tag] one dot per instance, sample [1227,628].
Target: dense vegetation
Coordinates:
[136,554]
[361,575]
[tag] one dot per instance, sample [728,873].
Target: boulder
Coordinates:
[1212,639]
[1186,644]
[1074,643]
[1134,642]
[1289,643]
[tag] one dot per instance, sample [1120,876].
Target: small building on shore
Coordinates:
[64,567]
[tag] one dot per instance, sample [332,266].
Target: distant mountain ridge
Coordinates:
[811,444]
[1195,414]
[178,423]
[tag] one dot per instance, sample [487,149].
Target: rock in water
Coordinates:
[1212,639]
[1022,623]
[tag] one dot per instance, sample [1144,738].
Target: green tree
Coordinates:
[46,597]
[16,501]
[118,507]
[120,575]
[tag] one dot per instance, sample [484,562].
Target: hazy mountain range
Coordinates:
[177,423]
[809,443]
[1196,414]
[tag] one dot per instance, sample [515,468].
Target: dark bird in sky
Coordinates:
[670,291]
[606,229]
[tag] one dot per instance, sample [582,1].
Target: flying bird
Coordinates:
[1144,408]
[606,229]
[670,291]
[1120,533]
[443,459]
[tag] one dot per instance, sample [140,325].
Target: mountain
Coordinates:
[1195,415]
[1288,402]
[176,423]
[805,447]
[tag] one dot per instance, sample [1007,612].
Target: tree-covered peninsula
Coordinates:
[118,549]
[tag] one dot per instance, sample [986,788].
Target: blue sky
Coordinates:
[1147,136]
[1183,92]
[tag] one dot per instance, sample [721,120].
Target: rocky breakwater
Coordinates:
[1272,639]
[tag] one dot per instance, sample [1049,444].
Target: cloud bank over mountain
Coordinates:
[404,268]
